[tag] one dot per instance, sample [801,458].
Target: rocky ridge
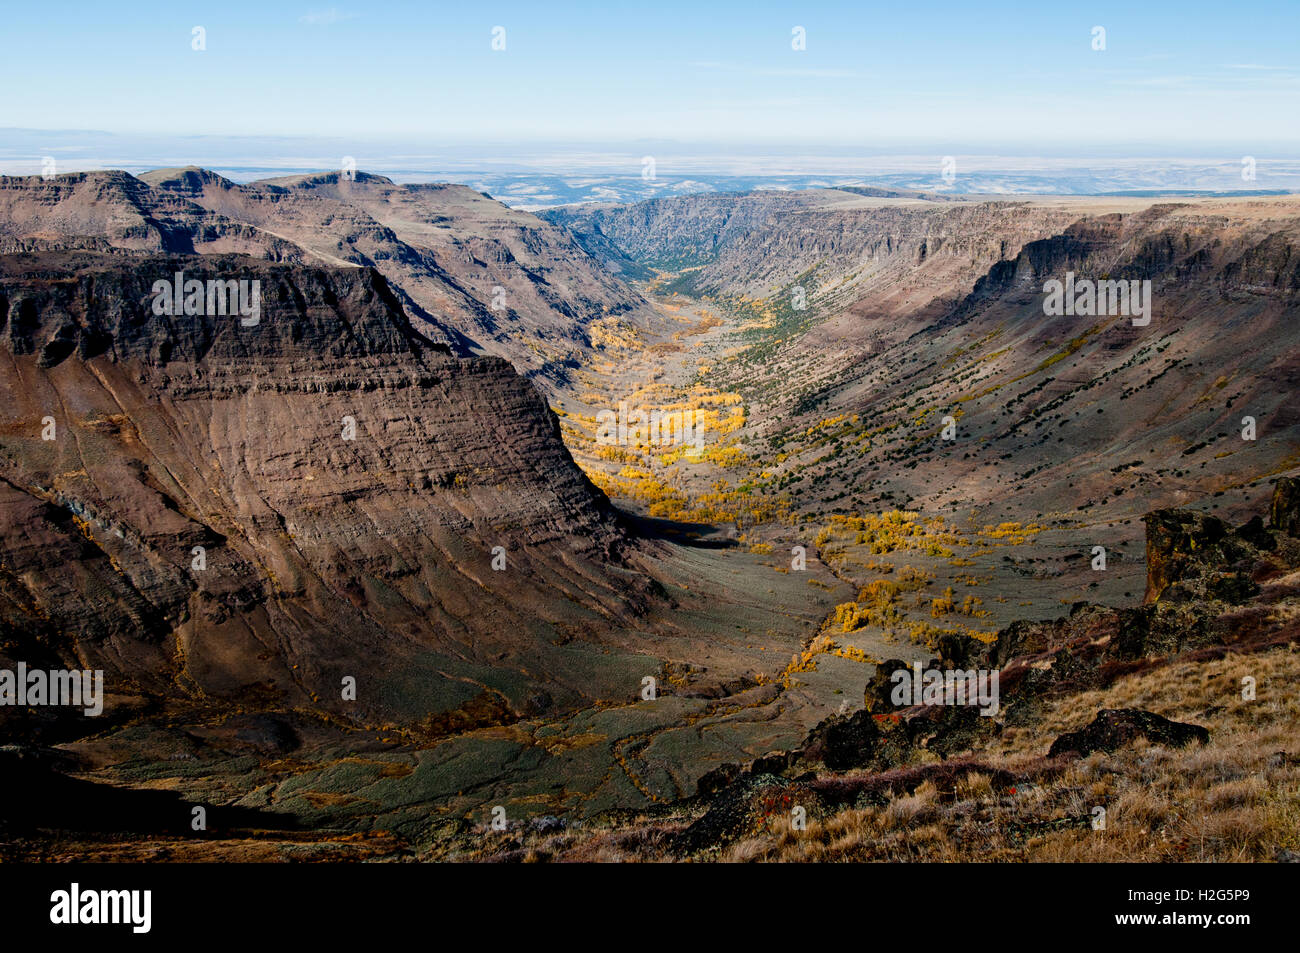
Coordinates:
[468,271]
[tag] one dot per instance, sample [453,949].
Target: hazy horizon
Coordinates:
[541,174]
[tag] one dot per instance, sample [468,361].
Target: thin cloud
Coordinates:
[325,17]
[1169,82]
[820,73]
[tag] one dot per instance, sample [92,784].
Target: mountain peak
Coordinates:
[190,178]
[311,180]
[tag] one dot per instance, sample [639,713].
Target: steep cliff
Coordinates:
[210,509]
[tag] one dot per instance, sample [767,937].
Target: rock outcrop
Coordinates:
[1284,512]
[1115,727]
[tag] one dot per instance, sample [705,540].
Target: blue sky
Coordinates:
[872,74]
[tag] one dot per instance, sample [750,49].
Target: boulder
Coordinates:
[1176,540]
[1115,727]
[1192,557]
[842,743]
[737,811]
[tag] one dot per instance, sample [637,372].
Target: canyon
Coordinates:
[395,478]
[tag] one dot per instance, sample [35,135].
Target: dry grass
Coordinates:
[1235,799]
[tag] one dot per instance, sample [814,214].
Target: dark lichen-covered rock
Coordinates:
[1177,540]
[948,730]
[1193,557]
[1257,535]
[1284,512]
[738,810]
[842,742]
[1115,727]
[877,696]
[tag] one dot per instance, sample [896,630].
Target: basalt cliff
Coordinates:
[210,511]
